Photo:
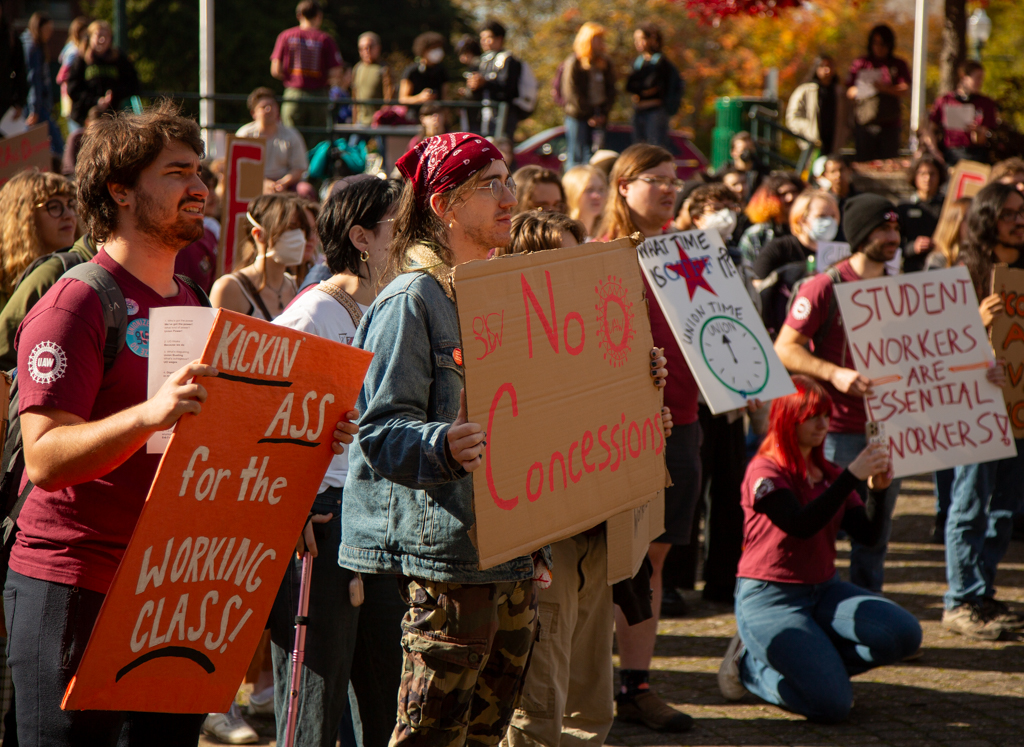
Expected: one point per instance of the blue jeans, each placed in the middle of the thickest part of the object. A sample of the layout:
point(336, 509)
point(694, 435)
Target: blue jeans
point(48, 626)
point(651, 126)
point(330, 636)
point(56, 138)
point(943, 495)
point(867, 563)
point(579, 136)
point(803, 642)
point(980, 524)
point(377, 662)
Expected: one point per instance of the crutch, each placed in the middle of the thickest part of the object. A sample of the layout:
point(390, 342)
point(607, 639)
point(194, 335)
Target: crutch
point(299, 652)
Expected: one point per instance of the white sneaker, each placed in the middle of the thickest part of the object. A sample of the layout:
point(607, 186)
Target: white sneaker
point(229, 728)
point(729, 672)
point(261, 703)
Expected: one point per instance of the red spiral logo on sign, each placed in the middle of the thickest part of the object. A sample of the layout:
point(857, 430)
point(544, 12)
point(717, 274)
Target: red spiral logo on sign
point(615, 320)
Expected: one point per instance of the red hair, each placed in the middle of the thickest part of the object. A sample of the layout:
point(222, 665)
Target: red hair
point(780, 445)
point(766, 207)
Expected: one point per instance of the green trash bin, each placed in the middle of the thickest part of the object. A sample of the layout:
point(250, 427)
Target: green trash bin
point(730, 118)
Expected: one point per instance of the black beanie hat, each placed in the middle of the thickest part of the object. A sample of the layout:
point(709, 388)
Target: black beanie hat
point(862, 214)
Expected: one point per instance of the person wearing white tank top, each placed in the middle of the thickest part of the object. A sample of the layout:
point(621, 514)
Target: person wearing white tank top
point(344, 638)
point(262, 287)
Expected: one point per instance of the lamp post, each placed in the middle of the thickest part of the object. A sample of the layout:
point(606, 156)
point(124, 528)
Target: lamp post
point(979, 30)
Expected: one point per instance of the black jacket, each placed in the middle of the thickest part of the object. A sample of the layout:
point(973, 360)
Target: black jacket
point(89, 82)
point(13, 81)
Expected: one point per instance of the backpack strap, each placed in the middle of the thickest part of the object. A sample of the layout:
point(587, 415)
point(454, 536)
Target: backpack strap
point(68, 259)
point(339, 295)
point(115, 319)
point(115, 314)
point(200, 293)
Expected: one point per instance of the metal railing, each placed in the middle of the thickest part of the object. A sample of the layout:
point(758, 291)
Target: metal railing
point(763, 118)
point(330, 126)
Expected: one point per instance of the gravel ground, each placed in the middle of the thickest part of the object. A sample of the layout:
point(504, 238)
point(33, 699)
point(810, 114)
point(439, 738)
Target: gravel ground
point(960, 693)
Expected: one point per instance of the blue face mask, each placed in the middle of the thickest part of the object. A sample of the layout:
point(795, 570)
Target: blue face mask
point(823, 228)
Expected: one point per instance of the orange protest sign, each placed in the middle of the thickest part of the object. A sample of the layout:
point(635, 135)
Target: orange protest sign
point(190, 598)
point(557, 360)
point(1008, 340)
point(20, 152)
point(243, 182)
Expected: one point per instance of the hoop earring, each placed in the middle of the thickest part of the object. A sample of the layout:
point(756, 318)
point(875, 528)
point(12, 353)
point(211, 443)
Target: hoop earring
point(364, 256)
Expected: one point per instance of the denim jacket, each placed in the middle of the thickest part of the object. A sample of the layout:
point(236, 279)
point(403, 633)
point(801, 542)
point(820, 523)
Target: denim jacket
point(406, 509)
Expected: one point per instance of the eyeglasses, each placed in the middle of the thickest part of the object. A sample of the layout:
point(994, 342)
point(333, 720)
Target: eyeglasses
point(1011, 215)
point(55, 208)
point(497, 187)
point(662, 181)
point(386, 220)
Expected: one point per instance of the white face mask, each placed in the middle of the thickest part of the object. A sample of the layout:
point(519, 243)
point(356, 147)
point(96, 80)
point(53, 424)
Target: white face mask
point(823, 228)
point(724, 221)
point(289, 248)
point(825, 184)
point(435, 55)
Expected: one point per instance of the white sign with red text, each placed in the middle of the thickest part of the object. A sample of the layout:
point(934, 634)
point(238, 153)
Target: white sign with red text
point(920, 340)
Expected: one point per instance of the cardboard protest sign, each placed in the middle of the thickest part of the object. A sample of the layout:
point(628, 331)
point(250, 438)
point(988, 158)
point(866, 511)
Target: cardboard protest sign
point(965, 180)
point(190, 598)
point(25, 150)
point(629, 534)
point(557, 363)
point(1008, 341)
point(920, 340)
point(713, 319)
point(830, 252)
point(243, 181)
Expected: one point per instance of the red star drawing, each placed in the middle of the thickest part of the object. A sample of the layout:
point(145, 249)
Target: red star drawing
point(692, 272)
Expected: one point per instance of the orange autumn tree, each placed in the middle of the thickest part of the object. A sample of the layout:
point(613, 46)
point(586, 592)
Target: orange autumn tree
point(727, 56)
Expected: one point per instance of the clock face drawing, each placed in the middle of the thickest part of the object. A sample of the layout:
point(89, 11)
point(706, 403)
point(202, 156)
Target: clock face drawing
point(734, 355)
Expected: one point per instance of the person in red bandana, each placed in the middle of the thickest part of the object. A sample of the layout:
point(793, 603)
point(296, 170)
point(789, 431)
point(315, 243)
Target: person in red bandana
point(408, 506)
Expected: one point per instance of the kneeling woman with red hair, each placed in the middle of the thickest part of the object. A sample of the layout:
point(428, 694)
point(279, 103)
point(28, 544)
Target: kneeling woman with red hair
point(802, 632)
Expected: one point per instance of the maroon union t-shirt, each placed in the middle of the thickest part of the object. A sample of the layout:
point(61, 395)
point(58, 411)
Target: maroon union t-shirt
point(680, 387)
point(306, 55)
point(769, 554)
point(807, 313)
point(77, 535)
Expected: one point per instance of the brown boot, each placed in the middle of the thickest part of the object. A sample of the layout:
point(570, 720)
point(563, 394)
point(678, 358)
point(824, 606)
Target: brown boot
point(970, 620)
point(648, 709)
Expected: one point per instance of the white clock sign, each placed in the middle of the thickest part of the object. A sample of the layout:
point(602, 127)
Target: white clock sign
point(713, 320)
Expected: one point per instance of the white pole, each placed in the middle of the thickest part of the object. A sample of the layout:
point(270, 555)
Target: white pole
point(918, 103)
point(207, 66)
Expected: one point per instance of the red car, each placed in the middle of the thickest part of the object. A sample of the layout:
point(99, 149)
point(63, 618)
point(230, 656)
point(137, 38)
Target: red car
point(547, 149)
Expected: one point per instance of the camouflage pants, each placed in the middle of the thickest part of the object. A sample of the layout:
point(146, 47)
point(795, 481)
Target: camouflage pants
point(466, 648)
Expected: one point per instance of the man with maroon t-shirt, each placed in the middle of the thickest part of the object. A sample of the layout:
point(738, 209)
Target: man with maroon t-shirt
point(83, 422)
point(308, 61)
point(872, 228)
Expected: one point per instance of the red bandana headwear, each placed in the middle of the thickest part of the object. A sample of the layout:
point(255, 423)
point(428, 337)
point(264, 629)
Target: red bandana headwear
point(440, 163)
